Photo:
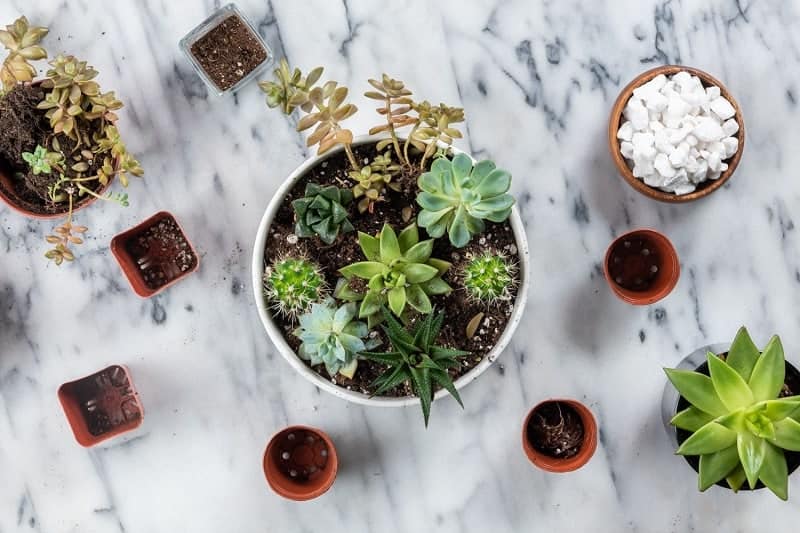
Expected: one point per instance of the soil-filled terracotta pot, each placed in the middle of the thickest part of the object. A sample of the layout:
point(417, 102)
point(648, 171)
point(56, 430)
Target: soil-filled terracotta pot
point(672, 402)
point(155, 254)
point(641, 266)
point(616, 119)
point(102, 405)
point(569, 412)
point(275, 332)
point(8, 196)
point(300, 463)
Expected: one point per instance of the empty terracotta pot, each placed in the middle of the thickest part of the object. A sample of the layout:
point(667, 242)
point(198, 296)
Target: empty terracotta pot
point(300, 463)
point(102, 405)
point(534, 447)
point(155, 254)
point(642, 267)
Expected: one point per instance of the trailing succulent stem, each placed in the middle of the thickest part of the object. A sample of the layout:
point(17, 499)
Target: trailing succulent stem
point(740, 425)
point(292, 284)
point(22, 42)
point(416, 359)
point(391, 92)
point(399, 272)
point(322, 212)
point(489, 277)
point(332, 337)
point(456, 198)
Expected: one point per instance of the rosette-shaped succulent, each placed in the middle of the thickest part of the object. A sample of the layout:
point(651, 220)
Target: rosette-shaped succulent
point(456, 197)
point(292, 284)
point(739, 423)
point(372, 180)
point(399, 271)
point(323, 212)
point(22, 42)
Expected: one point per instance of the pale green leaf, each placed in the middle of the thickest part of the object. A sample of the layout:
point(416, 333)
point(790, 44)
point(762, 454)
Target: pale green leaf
point(769, 372)
point(731, 389)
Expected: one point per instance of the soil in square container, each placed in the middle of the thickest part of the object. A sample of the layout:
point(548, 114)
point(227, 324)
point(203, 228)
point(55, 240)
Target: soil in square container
point(228, 52)
point(101, 405)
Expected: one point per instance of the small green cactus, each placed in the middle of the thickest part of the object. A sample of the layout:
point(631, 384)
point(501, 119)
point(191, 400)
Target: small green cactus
point(323, 212)
point(489, 277)
point(330, 336)
point(292, 284)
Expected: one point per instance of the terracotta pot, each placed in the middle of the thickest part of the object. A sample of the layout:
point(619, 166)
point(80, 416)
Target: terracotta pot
point(650, 250)
point(672, 402)
point(300, 463)
point(102, 405)
point(275, 334)
point(165, 263)
point(554, 464)
point(703, 189)
point(9, 198)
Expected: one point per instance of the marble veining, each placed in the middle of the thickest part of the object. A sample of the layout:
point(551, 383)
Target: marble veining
point(537, 80)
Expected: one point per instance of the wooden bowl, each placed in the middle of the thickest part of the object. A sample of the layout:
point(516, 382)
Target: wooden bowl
point(703, 189)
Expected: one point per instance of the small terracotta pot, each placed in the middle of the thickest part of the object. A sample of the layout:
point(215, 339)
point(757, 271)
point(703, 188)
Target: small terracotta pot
point(102, 405)
point(9, 198)
point(703, 189)
point(300, 463)
point(164, 262)
point(660, 255)
point(570, 464)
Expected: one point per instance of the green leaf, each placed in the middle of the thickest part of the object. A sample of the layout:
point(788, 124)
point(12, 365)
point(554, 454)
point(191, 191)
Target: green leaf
point(439, 264)
point(435, 222)
point(751, 453)
point(691, 419)
point(370, 246)
point(736, 479)
point(421, 381)
point(386, 358)
point(760, 426)
point(436, 286)
point(698, 390)
point(769, 372)
point(774, 472)
point(743, 354)
point(781, 408)
point(418, 299)
point(419, 272)
point(462, 166)
point(389, 247)
point(715, 466)
point(434, 202)
point(364, 270)
point(443, 379)
point(344, 292)
point(787, 434)
point(731, 389)
point(408, 238)
point(397, 300)
point(481, 170)
point(420, 252)
point(458, 232)
point(370, 305)
point(709, 439)
point(496, 183)
point(390, 379)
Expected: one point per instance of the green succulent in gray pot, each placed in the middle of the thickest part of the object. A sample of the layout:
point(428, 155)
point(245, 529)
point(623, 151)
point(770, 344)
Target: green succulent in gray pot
point(456, 197)
point(740, 419)
point(323, 212)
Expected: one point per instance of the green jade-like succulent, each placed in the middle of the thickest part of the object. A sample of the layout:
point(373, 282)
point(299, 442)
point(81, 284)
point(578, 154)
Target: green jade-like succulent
point(739, 424)
point(331, 337)
point(489, 277)
point(323, 212)
point(399, 271)
point(41, 161)
point(416, 359)
point(456, 198)
point(292, 284)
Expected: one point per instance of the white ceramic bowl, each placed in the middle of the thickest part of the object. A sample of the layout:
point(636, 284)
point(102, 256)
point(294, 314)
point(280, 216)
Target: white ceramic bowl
point(300, 366)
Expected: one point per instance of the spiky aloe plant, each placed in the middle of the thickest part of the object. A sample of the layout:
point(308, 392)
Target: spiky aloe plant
point(323, 212)
point(331, 337)
point(399, 270)
point(489, 277)
point(456, 198)
point(416, 359)
point(292, 284)
point(740, 426)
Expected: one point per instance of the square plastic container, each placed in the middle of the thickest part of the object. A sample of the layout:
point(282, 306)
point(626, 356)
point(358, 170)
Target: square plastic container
point(202, 30)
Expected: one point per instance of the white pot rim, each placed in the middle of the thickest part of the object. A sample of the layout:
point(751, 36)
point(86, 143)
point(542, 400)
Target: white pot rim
point(300, 366)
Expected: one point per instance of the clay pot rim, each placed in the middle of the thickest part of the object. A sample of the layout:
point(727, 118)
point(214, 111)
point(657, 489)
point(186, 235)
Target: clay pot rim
point(622, 166)
point(588, 447)
point(94, 440)
point(331, 468)
point(644, 297)
point(9, 201)
point(119, 252)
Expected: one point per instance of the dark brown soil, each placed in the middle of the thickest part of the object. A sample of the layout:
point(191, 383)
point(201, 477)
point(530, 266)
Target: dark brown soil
point(791, 387)
point(22, 128)
point(228, 52)
point(162, 252)
point(633, 264)
point(301, 456)
point(459, 309)
point(556, 429)
point(106, 400)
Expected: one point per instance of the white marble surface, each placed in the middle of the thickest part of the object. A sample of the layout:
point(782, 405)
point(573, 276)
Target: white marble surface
point(537, 79)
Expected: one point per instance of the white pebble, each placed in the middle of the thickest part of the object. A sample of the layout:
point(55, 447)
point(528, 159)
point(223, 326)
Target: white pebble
point(625, 132)
point(663, 166)
point(722, 108)
point(731, 145)
point(626, 148)
point(708, 130)
point(730, 127)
